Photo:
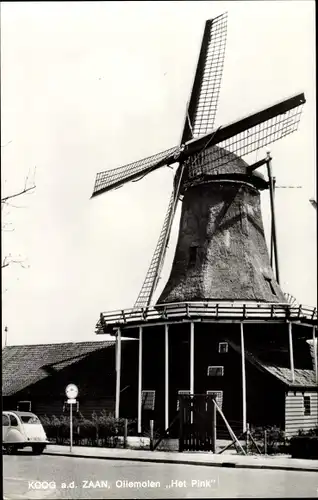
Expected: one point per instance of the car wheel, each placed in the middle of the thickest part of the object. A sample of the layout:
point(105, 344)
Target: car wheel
point(11, 449)
point(38, 449)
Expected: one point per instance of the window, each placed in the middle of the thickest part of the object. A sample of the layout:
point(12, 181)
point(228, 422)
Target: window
point(215, 371)
point(24, 406)
point(223, 347)
point(179, 393)
point(13, 421)
point(307, 405)
point(5, 421)
point(218, 397)
point(29, 419)
point(193, 256)
point(269, 281)
point(148, 400)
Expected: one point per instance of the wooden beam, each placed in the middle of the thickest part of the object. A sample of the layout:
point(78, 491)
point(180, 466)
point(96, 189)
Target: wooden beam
point(243, 379)
point(166, 376)
point(139, 380)
point(191, 357)
point(273, 219)
point(118, 371)
point(291, 352)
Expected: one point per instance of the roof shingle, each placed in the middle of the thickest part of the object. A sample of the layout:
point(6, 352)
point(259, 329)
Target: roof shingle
point(24, 365)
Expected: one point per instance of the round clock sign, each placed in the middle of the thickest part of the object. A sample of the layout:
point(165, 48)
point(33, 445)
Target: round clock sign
point(71, 391)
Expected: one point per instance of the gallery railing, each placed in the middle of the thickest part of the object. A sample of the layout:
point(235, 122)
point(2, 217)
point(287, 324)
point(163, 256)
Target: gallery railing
point(211, 311)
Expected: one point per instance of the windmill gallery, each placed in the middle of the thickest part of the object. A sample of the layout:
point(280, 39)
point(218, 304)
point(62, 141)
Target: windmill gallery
point(222, 335)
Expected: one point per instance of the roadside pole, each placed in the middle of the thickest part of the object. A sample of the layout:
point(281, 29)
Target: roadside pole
point(71, 427)
point(71, 392)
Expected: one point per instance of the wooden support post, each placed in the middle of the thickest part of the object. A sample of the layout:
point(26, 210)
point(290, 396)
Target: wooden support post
point(315, 349)
point(291, 351)
point(118, 371)
point(214, 428)
point(139, 380)
point(191, 358)
point(272, 238)
point(166, 376)
point(191, 369)
point(273, 220)
point(247, 435)
point(243, 379)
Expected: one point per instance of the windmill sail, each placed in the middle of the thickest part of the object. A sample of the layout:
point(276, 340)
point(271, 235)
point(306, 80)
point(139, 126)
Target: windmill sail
point(243, 137)
point(204, 97)
point(252, 132)
point(113, 179)
point(154, 270)
point(150, 280)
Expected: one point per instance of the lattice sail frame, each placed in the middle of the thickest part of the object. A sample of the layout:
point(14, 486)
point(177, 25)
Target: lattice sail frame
point(244, 143)
point(205, 92)
point(153, 273)
point(115, 178)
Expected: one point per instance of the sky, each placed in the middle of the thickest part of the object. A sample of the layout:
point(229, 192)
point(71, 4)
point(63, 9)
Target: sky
point(91, 86)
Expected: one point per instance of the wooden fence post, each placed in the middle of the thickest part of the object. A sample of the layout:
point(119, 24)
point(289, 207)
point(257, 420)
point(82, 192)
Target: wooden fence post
point(151, 434)
point(265, 442)
point(125, 432)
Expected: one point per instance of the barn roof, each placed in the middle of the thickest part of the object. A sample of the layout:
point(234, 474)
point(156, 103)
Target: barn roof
point(24, 365)
point(303, 377)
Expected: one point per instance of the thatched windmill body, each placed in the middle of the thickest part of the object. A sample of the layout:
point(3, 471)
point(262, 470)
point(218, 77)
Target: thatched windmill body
point(221, 259)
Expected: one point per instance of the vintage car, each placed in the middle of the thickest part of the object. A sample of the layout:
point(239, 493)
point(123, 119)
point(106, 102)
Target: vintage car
point(21, 429)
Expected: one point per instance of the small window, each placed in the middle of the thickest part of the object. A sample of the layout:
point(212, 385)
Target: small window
point(179, 393)
point(5, 421)
point(215, 371)
point(223, 347)
point(148, 400)
point(13, 421)
point(24, 406)
point(218, 397)
point(193, 256)
point(307, 405)
point(269, 281)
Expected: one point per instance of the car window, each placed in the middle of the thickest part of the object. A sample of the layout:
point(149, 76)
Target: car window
point(14, 421)
point(5, 420)
point(29, 419)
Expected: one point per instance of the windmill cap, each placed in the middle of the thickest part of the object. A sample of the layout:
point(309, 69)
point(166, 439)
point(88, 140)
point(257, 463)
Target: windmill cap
point(219, 163)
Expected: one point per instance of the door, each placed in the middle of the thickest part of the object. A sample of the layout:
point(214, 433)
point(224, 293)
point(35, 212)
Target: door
point(197, 422)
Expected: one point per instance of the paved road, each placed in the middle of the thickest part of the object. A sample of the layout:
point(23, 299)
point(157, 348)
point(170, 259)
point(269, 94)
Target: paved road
point(92, 478)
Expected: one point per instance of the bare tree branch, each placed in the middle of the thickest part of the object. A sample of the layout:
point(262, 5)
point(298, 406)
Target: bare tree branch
point(4, 145)
point(9, 260)
point(25, 190)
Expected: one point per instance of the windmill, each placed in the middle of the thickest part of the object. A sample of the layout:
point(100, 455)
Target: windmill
point(219, 192)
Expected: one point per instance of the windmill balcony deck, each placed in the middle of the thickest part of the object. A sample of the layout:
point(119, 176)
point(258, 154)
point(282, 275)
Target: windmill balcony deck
point(208, 311)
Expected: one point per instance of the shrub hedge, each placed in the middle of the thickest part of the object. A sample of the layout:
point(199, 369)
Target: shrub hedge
point(305, 445)
point(101, 429)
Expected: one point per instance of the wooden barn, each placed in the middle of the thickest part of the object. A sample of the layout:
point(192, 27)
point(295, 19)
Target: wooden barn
point(34, 377)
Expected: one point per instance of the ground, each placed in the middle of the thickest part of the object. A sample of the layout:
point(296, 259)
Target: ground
point(93, 478)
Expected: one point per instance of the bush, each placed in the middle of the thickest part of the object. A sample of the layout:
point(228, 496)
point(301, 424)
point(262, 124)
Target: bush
point(275, 439)
point(304, 446)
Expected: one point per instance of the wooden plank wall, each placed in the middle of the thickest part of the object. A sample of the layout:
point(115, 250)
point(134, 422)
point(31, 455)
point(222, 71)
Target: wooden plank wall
point(295, 417)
